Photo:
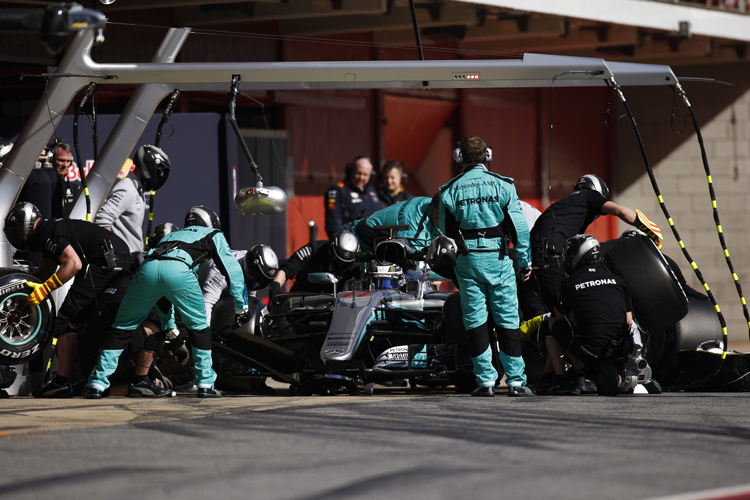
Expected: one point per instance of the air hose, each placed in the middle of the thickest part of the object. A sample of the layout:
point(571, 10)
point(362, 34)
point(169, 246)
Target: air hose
point(81, 169)
point(711, 192)
point(164, 119)
point(663, 206)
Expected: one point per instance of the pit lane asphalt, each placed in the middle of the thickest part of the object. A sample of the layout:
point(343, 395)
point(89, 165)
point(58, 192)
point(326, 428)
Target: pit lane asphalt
point(396, 444)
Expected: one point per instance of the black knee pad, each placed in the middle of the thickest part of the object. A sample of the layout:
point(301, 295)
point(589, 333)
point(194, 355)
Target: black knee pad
point(509, 340)
point(155, 341)
point(479, 340)
point(200, 339)
point(118, 339)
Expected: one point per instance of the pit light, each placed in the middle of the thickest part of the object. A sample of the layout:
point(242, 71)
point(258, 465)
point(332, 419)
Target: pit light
point(466, 76)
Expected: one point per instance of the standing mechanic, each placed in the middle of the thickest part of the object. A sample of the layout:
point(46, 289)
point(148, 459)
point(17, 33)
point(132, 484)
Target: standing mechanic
point(480, 210)
point(420, 214)
point(599, 306)
point(169, 271)
point(125, 208)
point(569, 216)
point(351, 198)
point(336, 256)
point(96, 258)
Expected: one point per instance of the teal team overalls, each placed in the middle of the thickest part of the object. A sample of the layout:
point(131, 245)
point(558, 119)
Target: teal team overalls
point(169, 271)
point(414, 213)
point(477, 208)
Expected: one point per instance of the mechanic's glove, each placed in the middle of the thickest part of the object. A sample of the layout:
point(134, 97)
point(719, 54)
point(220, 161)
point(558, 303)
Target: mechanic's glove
point(648, 227)
point(178, 346)
point(241, 316)
point(530, 327)
point(42, 290)
point(274, 290)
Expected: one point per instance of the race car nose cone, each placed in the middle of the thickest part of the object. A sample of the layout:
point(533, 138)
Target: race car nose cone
point(260, 200)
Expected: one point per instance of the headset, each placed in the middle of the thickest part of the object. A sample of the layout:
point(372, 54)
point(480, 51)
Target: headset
point(390, 165)
point(458, 155)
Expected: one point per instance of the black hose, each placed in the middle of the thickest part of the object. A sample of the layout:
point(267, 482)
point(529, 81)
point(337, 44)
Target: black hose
point(233, 120)
point(663, 206)
point(712, 194)
point(81, 169)
point(164, 119)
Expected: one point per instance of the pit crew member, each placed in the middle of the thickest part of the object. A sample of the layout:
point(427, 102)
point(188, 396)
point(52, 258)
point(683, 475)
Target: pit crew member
point(124, 209)
point(97, 259)
point(169, 271)
point(568, 217)
point(599, 307)
point(480, 210)
point(336, 256)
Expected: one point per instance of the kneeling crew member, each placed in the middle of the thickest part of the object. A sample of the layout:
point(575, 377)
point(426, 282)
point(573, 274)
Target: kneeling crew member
point(474, 207)
point(169, 271)
point(94, 256)
point(600, 305)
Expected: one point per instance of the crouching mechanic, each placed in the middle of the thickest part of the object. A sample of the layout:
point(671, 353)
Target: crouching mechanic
point(169, 271)
point(336, 256)
point(420, 214)
point(599, 306)
point(481, 212)
point(96, 258)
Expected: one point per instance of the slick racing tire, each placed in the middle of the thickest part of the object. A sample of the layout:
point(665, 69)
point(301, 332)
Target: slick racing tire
point(658, 298)
point(701, 324)
point(25, 329)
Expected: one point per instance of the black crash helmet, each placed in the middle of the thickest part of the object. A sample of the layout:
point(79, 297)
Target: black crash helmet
point(632, 232)
point(592, 183)
point(343, 249)
point(20, 223)
point(442, 251)
point(153, 165)
point(260, 267)
point(5, 147)
point(202, 216)
point(578, 250)
point(160, 232)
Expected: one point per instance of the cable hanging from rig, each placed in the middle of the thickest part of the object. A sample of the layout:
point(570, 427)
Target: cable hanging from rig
point(685, 252)
point(714, 205)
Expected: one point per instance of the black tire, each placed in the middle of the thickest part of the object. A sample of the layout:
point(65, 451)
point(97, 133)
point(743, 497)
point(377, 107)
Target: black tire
point(658, 298)
point(699, 325)
point(25, 330)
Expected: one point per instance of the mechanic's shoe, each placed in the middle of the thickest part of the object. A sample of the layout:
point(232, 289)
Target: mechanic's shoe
point(519, 390)
point(610, 383)
point(208, 393)
point(55, 389)
point(561, 387)
point(486, 392)
point(186, 388)
point(259, 386)
point(584, 386)
point(652, 387)
point(92, 393)
point(147, 389)
point(544, 385)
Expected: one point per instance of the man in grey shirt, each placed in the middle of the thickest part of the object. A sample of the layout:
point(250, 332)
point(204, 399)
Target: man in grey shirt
point(125, 207)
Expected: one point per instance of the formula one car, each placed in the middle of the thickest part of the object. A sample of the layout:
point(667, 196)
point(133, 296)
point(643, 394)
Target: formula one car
point(388, 326)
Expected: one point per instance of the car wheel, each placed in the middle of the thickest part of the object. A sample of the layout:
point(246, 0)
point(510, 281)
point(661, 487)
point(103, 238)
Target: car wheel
point(657, 295)
point(25, 329)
